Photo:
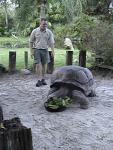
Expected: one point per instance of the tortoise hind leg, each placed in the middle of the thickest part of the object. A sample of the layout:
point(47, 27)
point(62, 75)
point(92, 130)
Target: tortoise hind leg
point(80, 98)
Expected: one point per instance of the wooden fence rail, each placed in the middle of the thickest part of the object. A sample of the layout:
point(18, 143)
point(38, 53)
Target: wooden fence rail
point(50, 67)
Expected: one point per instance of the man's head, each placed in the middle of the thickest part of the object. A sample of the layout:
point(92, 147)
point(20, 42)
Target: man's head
point(43, 24)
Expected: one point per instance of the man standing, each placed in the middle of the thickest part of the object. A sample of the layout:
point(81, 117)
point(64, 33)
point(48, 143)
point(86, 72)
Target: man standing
point(40, 39)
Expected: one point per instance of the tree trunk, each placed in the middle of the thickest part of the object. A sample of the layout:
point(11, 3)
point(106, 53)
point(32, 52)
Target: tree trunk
point(6, 15)
point(42, 8)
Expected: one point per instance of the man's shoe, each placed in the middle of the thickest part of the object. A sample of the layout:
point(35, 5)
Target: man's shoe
point(39, 83)
point(43, 82)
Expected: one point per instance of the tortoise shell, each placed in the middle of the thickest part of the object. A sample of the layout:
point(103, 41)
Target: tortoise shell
point(74, 76)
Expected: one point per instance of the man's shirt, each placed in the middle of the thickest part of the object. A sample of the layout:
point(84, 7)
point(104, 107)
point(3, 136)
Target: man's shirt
point(41, 39)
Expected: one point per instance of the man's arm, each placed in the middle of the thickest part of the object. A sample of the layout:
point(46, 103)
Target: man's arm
point(31, 49)
point(31, 41)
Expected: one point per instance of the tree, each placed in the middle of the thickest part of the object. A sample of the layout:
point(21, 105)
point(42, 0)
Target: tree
point(43, 8)
point(4, 3)
point(28, 7)
point(6, 17)
point(74, 8)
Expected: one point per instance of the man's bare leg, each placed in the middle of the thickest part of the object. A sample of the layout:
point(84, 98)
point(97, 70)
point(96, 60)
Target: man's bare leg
point(44, 69)
point(39, 74)
point(39, 71)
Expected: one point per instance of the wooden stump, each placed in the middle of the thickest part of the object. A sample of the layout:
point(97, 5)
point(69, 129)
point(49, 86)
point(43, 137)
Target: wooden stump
point(1, 114)
point(82, 58)
point(15, 136)
point(69, 57)
point(50, 66)
point(26, 59)
point(12, 61)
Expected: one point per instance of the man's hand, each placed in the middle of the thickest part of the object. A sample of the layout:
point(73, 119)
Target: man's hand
point(53, 52)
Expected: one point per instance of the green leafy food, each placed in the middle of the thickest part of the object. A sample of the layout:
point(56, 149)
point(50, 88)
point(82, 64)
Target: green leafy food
point(56, 102)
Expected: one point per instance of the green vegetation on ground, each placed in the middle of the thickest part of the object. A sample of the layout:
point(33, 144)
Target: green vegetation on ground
point(58, 102)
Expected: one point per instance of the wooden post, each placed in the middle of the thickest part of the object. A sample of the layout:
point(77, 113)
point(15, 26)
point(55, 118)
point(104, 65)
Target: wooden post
point(12, 61)
point(69, 57)
point(2, 69)
point(26, 59)
point(2, 147)
point(50, 66)
point(15, 136)
point(82, 58)
point(1, 124)
point(1, 114)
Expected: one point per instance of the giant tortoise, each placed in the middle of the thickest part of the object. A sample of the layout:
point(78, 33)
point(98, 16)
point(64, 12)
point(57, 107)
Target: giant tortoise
point(73, 81)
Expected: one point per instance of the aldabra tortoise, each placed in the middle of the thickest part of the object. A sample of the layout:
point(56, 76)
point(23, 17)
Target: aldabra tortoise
point(73, 81)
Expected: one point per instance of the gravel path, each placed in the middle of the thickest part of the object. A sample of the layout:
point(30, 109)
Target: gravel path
point(73, 129)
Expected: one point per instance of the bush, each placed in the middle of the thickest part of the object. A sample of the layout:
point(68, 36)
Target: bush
point(90, 34)
point(60, 33)
point(102, 42)
point(77, 31)
point(10, 42)
point(4, 31)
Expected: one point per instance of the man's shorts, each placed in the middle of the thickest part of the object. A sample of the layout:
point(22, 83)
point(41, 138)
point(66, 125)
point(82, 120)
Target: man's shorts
point(41, 56)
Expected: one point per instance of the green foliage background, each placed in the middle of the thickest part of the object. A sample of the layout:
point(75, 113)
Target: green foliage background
point(78, 20)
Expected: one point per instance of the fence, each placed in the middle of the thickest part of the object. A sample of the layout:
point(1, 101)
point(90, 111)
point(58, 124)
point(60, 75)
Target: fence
point(50, 67)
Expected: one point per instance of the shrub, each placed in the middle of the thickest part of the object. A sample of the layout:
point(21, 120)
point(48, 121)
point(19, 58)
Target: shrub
point(102, 42)
point(10, 42)
point(90, 34)
point(60, 32)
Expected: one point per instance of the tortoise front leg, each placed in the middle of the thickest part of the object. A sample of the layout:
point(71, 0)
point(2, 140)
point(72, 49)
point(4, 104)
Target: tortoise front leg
point(61, 92)
point(92, 93)
point(52, 90)
point(81, 98)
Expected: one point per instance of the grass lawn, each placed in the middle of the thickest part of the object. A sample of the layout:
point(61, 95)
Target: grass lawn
point(10, 42)
point(4, 57)
point(60, 57)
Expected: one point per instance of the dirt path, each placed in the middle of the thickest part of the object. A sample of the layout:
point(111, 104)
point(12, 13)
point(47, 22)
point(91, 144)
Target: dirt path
point(73, 129)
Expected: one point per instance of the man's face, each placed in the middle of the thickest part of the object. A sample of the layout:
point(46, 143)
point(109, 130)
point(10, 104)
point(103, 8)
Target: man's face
point(43, 25)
